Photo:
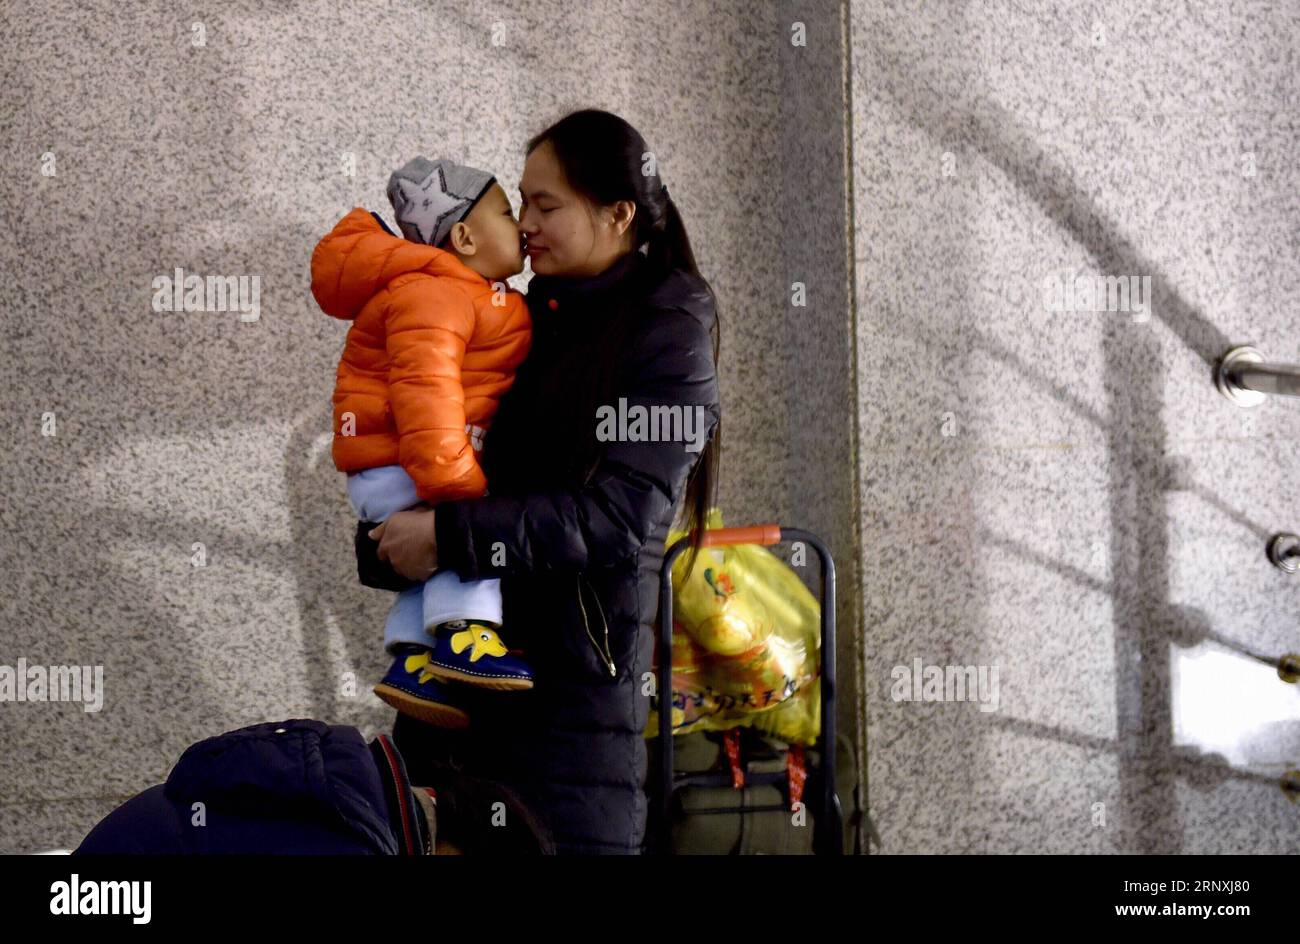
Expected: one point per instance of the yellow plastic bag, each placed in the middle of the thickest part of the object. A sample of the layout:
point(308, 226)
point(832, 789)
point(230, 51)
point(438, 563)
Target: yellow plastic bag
point(746, 644)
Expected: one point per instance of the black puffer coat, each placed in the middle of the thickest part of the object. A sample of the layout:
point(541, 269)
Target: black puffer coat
point(579, 547)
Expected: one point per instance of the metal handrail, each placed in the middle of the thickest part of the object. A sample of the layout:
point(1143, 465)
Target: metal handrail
point(1244, 378)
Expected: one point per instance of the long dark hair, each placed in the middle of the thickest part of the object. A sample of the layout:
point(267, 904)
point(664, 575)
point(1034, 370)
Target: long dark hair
point(606, 160)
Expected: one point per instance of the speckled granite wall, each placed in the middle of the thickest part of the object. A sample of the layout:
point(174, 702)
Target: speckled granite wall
point(173, 430)
point(1064, 496)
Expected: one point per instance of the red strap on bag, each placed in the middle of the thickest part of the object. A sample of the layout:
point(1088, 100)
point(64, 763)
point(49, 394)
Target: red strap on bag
point(796, 772)
point(731, 741)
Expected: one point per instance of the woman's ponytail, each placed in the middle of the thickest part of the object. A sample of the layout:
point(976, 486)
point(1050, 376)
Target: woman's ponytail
point(670, 248)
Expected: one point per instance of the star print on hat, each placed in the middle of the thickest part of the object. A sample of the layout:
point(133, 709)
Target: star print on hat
point(430, 197)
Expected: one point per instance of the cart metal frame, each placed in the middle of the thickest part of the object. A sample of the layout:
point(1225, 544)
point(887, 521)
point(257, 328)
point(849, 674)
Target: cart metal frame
point(828, 835)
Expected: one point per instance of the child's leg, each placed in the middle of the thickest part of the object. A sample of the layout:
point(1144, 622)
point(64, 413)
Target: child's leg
point(377, 493)
point(409, 686)
point(405, 624)
point(447, 598)
point(463, 619)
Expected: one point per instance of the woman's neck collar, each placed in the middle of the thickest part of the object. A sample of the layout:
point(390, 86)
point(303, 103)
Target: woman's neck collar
point(558, 292)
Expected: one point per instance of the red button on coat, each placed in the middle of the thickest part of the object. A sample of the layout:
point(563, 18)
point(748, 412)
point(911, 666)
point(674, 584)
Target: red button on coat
point(552, 304)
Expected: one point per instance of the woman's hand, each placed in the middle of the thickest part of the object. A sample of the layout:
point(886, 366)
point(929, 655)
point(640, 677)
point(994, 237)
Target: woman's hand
point(407, 541)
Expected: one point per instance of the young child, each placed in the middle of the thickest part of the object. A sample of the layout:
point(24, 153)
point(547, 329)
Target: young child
point(435, 340)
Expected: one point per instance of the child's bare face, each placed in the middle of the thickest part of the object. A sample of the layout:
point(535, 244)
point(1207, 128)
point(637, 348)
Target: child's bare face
point(499, 250)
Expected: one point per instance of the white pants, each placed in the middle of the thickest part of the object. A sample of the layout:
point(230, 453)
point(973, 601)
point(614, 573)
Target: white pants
point(375, 495)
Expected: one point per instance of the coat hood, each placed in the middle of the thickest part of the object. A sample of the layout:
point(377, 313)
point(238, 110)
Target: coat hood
point(295, 770)
point(360, 256)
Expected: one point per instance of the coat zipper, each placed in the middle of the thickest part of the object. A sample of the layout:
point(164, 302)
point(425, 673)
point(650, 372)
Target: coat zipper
point(605, 656)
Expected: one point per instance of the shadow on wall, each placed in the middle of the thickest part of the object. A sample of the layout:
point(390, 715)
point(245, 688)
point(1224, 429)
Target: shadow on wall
point(340, 622)
point(331, 599)
point(1144, 620)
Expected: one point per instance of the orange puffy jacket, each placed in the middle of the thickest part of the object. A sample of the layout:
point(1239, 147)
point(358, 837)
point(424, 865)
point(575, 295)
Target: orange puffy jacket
point(427, 357)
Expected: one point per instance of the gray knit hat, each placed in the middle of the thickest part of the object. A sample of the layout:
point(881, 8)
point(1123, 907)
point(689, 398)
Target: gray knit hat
point(430, 197)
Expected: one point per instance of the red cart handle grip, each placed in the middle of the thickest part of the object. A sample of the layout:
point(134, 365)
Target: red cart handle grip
point(764, 534)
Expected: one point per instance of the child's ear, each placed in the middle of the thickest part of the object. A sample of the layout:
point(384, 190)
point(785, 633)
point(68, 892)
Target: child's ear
point(461, 240)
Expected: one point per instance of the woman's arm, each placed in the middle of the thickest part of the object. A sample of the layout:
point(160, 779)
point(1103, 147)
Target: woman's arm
point(635, 484)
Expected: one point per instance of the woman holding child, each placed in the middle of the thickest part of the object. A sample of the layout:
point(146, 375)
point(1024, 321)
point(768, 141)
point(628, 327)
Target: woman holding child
point(573, 524)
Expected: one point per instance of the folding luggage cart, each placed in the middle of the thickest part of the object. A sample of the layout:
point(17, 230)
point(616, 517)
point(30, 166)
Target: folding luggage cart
point(828, 836)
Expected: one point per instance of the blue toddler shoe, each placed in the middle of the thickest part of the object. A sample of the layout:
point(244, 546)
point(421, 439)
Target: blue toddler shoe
point(471, 652)
point(413, 690)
